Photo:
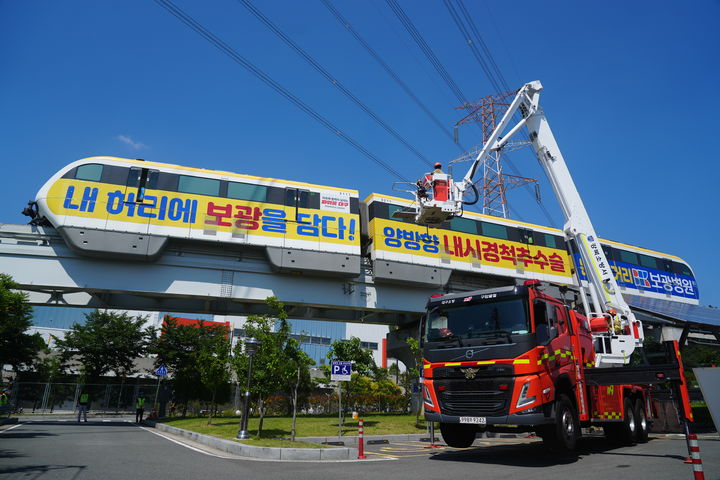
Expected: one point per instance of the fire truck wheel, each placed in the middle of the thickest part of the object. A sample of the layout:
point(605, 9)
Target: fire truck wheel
point(642, 425)
point(458, 435)
point(625, 432)
point(562, 437)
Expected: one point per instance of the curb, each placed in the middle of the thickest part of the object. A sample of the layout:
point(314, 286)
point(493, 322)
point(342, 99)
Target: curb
point(265, 453)
point(353, 439)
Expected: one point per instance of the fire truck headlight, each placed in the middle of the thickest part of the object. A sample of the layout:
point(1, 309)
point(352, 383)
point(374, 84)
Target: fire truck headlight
point(524, 400)
point(427, 397)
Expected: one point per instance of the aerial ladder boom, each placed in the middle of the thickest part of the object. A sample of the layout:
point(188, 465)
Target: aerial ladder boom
point(616, 331)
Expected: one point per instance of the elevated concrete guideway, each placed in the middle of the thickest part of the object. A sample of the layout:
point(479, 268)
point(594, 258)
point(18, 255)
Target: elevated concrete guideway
point(193, 278)
point(226, 279)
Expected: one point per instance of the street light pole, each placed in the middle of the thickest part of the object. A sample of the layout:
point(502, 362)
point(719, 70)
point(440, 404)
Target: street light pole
point(251, 346)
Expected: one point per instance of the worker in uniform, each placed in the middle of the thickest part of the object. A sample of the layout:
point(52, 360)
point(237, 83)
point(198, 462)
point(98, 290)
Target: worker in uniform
point(4, 401)
point(83, 405)
point(139, 407)
point(425, 184)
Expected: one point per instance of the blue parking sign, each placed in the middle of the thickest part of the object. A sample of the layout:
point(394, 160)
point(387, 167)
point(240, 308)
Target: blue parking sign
point(340, 371)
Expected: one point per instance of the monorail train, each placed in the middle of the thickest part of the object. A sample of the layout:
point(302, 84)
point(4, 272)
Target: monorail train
point(122, 208)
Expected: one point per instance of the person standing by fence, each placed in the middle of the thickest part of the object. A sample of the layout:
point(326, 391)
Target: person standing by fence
point(139, 408)
point(4, 402)
point(83, 405)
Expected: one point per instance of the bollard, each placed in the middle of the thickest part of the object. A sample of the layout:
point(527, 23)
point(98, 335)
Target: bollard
point(432, 437)
point(695, 457)
point(361, 446)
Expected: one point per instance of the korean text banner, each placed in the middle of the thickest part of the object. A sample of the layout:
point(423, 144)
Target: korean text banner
point(434, 247)
point(648, 279)
point(97, 205)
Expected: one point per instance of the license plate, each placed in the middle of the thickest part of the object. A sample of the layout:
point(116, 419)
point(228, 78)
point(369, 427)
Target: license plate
point(475, 420)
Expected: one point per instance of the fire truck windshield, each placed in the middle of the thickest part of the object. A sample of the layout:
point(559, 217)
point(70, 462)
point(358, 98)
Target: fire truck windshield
point(496, 319)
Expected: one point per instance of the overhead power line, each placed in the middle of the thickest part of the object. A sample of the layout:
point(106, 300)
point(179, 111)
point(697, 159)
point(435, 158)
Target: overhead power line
point(405, 88)
point(330, 78)
point(236, 57)
point(429, 54)
point(489, 73)
point(465, 24)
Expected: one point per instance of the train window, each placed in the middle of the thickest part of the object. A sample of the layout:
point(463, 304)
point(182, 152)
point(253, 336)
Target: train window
point(392, 209)
point(114, 175)
point(647, 261)
point(466, 225)
point(354, 205)
point(526, 236)
point(246, 191)
point(142, 179)
point(378, 210)
point(307, 199)
point(494, 230)
point(550, 241)
point(608, 251)
point(91, 172)
point(168, 182)
point(682, 269)
point(629, 257)
point(665, 265)
point(199, 185)
point(302, 198)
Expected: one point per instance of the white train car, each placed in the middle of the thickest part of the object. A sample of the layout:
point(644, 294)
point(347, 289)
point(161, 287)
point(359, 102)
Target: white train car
point(123, 208)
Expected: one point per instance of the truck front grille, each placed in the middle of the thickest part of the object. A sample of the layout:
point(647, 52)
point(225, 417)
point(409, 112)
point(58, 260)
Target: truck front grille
point(475, 398)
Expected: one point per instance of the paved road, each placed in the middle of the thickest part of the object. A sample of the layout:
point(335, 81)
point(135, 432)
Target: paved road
point(111, 449)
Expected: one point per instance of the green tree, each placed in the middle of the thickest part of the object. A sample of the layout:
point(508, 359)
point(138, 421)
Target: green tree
point(182, 349)
point(296, 377)
point(106, 342)
point(413, 371)
point(49, 367)
point(352, 351)
point(213, 363)
point(17, 348)
point(270, 360)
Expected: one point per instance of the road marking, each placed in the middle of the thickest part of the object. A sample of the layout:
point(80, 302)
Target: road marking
point(184, 444)
point(10, 428)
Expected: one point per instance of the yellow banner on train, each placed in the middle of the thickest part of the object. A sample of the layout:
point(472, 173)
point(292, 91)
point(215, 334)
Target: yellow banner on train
point(209, 215)
point(440, 246)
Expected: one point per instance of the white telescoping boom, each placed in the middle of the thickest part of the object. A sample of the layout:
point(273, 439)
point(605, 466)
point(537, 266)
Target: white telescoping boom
point(613, 345)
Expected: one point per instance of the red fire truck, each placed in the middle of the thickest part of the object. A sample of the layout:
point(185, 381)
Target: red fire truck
point(527, 356)
point(523, 358)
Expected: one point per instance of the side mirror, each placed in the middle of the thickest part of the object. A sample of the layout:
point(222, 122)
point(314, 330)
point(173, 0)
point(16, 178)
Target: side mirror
point(421, 330)
point(552, 332)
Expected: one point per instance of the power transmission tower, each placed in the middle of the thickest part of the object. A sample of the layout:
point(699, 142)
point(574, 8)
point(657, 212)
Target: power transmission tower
point(494, 183)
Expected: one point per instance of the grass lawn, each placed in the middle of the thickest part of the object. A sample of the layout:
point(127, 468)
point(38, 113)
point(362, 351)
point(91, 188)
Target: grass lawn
point(277, 428)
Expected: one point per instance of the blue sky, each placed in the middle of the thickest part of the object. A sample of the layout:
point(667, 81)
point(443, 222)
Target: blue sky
point(630, 92)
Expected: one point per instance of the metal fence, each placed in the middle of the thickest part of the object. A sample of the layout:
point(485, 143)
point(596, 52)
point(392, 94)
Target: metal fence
point(40, 397)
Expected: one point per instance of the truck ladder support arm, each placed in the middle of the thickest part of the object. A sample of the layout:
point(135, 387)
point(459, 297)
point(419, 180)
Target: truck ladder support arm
point(624, 330)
